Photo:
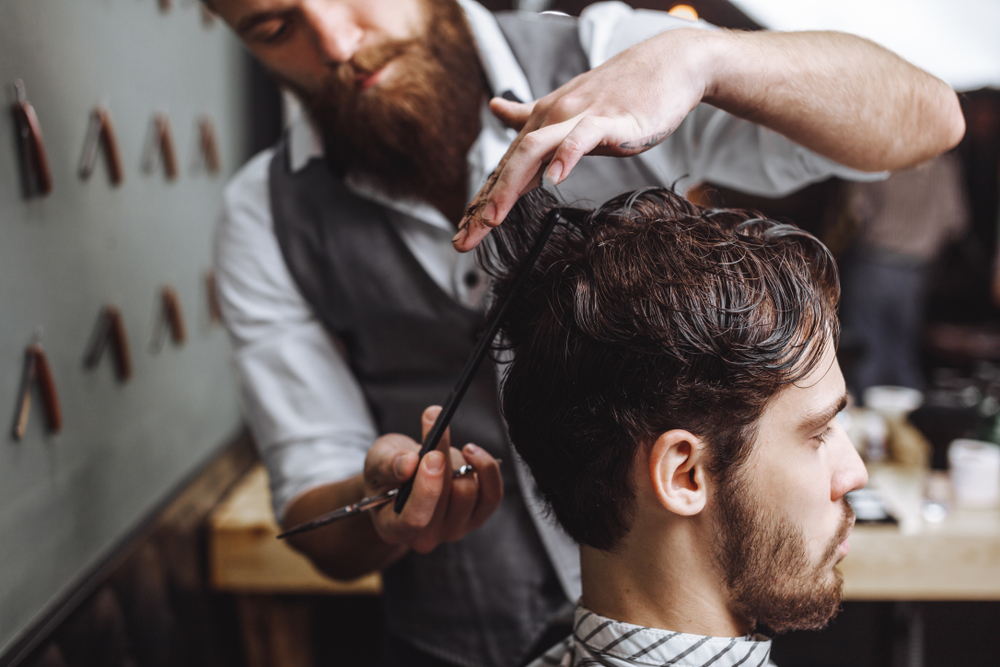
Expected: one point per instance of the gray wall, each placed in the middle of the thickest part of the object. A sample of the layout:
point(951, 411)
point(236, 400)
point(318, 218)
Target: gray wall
point(66, 499)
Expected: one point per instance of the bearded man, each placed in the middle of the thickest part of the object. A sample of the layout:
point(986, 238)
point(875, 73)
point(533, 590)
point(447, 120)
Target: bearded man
point(674, 389)
point(350, 308)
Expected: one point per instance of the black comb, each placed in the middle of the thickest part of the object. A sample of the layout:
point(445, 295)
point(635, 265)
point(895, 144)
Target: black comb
point(482, 347)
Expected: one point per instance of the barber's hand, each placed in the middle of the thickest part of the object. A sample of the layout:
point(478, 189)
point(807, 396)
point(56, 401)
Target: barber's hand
point(439, 509)
point(624, 107)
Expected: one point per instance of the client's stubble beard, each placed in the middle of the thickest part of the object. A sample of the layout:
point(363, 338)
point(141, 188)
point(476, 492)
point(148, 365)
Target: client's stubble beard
point(409, 135)
point(767, 570)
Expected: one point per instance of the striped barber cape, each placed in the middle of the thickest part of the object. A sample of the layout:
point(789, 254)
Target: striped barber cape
point(596, 640)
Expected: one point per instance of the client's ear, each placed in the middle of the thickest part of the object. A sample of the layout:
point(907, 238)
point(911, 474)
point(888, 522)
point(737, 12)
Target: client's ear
point(677, 471)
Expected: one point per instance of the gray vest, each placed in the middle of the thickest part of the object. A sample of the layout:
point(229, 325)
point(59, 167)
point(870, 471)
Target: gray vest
point(486, 599)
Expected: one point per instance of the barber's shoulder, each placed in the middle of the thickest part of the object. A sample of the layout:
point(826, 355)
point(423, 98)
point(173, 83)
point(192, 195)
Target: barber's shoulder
point(246, 203)
point(245, 222)
point(249, 184)
point(614, 11)
point(253, 283)
point(608, 28)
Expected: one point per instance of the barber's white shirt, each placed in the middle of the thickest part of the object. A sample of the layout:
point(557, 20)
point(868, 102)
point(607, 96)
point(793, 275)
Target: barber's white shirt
point(305, 408)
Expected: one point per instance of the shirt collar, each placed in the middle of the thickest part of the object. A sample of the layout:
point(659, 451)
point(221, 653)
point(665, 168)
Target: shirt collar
point(619, 644)
point(503, 73)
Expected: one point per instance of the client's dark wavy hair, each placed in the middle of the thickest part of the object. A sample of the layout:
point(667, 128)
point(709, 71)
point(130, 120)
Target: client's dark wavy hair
point(646, 315)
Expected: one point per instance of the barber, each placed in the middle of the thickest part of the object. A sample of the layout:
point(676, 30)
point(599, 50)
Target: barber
point(350, 310)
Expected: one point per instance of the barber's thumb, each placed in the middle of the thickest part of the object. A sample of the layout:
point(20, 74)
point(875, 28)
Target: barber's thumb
point(511, 114)
point(401, 466)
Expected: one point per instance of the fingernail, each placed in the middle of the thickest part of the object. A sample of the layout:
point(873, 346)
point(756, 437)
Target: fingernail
point(434, 462)
point(490, 214)
point(463, 231)
point(553, 173)
point(471, 449)
point(400, 466)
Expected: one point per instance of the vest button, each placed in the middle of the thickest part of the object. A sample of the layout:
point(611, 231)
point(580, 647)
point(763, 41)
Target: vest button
point(471, 279)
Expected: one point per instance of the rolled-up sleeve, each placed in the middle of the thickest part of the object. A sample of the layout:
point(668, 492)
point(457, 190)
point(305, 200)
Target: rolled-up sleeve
point(710, 144)
point(307, 412)
point(720, 148)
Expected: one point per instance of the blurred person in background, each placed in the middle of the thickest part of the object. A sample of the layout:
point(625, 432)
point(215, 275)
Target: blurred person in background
point(902, 223)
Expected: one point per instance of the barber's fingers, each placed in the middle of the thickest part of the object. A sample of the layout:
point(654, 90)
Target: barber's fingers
point(473, 498)
point(511, 114)
point(440, 508)
point(518, 173)
point(427, 420)
point(458, 498)
point(450, 522)
point(391, 461)
point(431, 525)
point(560, 146)
point(490, 485)
point(469, 501)
point(587, 136)
point(429, 488)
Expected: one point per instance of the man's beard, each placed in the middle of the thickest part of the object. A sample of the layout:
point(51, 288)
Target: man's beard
point(409, 134)
point(767, 569)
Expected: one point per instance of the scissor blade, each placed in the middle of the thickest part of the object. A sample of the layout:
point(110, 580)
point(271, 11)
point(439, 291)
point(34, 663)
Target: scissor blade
point(362, 505)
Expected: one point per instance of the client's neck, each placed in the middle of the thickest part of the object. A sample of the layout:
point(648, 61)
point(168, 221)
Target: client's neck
point(668, 582)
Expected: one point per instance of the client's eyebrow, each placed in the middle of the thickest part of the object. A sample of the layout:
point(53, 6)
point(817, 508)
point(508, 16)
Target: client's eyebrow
point(814, 420)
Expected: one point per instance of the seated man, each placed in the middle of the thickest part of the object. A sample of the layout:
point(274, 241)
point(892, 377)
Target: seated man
point(674, 390)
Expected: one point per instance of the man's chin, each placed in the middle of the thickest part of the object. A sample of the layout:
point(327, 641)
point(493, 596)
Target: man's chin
point(816, 618)
point(812, 611)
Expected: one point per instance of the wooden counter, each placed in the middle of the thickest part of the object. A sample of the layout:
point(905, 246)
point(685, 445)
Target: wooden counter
point(956, 559)
point(245, 555)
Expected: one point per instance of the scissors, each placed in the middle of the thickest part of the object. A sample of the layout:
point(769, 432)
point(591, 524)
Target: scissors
point(454, 398)
point(363, 505)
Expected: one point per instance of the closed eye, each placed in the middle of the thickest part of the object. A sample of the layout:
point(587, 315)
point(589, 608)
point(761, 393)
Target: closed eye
point(823, 435)
point(266, 27)
point(818, 425)
point(271, 32)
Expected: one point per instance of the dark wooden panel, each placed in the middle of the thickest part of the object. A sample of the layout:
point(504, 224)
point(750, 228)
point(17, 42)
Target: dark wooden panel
point(148, 604)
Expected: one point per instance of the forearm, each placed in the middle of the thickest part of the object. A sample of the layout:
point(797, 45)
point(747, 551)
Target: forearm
point(345, 549)
point(839, 95)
